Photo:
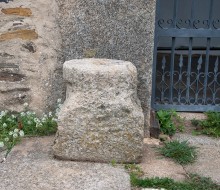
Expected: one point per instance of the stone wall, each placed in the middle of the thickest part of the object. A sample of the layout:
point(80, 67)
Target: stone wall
point(30, 61)
point(113, 29)
point(31, 48)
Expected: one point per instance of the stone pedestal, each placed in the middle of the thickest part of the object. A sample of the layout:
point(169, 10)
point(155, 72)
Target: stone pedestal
point(101, 119)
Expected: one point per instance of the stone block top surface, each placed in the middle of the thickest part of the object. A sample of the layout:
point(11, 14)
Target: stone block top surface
point(104, 67)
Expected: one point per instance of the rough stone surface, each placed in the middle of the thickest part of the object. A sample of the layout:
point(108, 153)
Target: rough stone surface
point(30, 58)
point(30, 165)
point(155, 165)
point(2, 155)
point(101, 119)
point(190, 116)
point(208, 162)
point(113, 29)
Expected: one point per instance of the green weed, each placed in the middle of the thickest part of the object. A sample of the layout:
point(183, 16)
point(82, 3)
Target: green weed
point(181, 152)
point(113, 163)
point(170, 122)
point(194, 182)
point(210, 126)
point(134, 169)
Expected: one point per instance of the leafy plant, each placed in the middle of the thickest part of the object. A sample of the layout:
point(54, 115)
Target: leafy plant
point(195, 122)
point(10, 134)
point(15, 126)
point(194, 182)
point(181, 152)
point(170, 122)
point(35, 126)
point(210, 126)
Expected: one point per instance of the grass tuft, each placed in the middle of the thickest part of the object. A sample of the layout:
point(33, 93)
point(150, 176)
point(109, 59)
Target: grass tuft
point(181, 152)
point(210, 126)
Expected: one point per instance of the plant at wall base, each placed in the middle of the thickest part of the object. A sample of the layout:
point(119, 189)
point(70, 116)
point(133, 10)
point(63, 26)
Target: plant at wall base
point(35, 126)
point(10, 134)
point(25, 124)
point(170, 122)
point(193, 182)
point(181, 152)
point(210, 126)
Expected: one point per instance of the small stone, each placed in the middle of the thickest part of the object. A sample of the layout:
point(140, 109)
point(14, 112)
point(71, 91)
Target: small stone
point(164, 138)
point(22, 34)
point(17, 11)
point(30, 46)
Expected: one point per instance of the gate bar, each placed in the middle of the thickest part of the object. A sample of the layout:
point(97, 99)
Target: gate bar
point(173, 53)
point(189, 69)
point(206, 70)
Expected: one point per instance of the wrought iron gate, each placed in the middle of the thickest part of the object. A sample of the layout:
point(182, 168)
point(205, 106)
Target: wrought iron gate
point(186, 69)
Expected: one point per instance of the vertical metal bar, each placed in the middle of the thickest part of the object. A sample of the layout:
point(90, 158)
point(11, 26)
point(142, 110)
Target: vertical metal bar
point(175, 13)
point(154, 68)
point(215, 80)
point(173, 53)
point(163, 78)
point(192, 17)
point(180, 78)
point(154, 73)
point(189, 70)
point(199, 67)
point(172, 70)
point(207, 56)
point(210, 14)
point(206, 70)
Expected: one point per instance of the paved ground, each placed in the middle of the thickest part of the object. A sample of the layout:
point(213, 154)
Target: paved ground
point(154, 165)
point(206, 165)
point(31, 166)
point(208, 162)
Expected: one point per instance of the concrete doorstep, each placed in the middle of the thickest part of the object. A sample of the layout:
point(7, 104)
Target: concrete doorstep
point(31, 166)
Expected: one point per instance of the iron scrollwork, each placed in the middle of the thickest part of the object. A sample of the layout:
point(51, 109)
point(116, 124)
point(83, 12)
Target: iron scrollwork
point(214, 84)
point(216, 24)
point(196, 86)
point(187, 23)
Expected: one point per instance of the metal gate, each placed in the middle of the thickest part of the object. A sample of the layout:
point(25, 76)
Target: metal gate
point(186, 69)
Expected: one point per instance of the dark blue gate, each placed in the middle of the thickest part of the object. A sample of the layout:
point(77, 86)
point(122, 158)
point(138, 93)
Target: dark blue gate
point(186, 69)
